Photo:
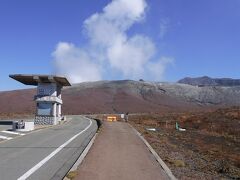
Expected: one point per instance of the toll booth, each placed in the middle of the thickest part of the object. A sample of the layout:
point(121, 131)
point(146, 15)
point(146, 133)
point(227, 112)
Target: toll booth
point(48, 98)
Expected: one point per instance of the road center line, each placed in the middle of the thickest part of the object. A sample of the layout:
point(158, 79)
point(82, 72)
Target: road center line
point(42, 162)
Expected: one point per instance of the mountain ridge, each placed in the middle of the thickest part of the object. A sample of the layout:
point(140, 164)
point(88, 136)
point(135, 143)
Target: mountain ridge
point(208, 81)
point(127, 96)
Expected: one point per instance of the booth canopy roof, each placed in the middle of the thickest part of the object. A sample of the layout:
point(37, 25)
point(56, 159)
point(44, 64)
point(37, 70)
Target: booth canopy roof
point(34, 79)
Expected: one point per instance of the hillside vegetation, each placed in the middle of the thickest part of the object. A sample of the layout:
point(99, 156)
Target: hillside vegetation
point(208, 149)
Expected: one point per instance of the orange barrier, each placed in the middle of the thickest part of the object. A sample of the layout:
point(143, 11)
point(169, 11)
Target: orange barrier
point(111, 118)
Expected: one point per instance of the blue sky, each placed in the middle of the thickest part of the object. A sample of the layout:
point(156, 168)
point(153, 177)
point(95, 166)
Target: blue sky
point(200, 37)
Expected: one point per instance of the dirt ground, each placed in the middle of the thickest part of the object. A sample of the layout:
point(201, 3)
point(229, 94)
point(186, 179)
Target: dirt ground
point(119, 154)
point(12, 116)
point(209, 149)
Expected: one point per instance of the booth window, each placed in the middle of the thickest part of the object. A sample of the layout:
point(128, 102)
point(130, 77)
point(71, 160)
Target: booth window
point(44, 109)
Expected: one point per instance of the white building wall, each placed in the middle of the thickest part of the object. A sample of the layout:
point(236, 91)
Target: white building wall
point(54, 109)
point(59, 110)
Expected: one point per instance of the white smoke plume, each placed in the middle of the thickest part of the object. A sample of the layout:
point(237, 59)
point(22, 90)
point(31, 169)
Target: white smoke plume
point(110, 48)
point(75, 63)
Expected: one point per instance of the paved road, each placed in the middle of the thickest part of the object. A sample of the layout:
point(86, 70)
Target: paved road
point(45, 154)
point(117, 154)
point(5, 127)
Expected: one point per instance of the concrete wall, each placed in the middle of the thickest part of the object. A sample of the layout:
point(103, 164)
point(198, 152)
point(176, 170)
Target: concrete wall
point(45, 120)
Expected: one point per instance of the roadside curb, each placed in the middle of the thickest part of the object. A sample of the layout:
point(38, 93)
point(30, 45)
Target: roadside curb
point(81, 157)
point(157, 157)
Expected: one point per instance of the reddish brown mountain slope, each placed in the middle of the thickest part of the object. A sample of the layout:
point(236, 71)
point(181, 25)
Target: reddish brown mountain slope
point(104, 99)
point(126, 96)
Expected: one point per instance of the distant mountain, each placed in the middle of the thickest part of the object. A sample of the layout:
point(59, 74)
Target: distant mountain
point(127, 96)
point(207, 81)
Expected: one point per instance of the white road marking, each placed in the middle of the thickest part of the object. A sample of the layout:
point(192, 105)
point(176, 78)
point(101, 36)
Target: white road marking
point(5, 137)
point(16, 133)
point(42, 162)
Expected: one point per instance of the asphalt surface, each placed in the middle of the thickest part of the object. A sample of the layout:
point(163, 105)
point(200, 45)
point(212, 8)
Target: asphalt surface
point(48, 153)
point(117, 154)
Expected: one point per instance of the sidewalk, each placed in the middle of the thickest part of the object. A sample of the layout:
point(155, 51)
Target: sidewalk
point(119, 154)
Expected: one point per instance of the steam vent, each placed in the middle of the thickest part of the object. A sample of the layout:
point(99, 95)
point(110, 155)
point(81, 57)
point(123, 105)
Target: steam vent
point(48, 98)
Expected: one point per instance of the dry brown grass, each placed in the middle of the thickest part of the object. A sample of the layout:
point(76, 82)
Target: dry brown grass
point(211, 139)
point(71, 175)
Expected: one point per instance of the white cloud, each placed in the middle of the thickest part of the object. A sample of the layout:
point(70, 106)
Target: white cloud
point(75, 63)
point(157, 69)
point(130, 56)
point(111, 25)
point(110, 47)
